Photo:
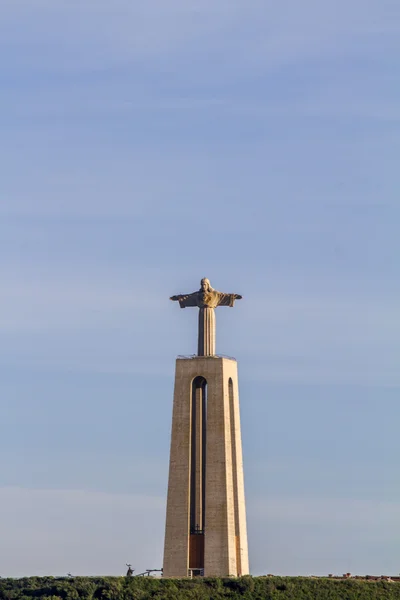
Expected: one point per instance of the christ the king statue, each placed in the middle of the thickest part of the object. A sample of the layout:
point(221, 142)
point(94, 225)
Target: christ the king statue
point(206, 299)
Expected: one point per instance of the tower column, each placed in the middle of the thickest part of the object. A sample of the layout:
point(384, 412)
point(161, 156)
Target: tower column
point(206, 341)
point(206, 484)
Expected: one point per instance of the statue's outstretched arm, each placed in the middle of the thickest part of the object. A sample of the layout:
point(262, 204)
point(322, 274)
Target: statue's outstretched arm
point(228, 299)
point(185, 299)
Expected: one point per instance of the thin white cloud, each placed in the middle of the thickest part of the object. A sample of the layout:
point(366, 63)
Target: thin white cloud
point(83, 532)
point(317, 536)
point(67, 304)
point(282, 32)
point(333, 511)
point(61, 531)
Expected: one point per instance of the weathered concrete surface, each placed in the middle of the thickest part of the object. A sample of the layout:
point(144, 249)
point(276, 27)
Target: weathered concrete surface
point(225, 533)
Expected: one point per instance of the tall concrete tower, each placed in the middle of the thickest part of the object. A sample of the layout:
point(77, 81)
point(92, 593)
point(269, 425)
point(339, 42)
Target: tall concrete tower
point(205, 531)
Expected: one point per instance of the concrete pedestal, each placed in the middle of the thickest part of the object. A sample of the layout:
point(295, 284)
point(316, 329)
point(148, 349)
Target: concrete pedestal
point(206, 517)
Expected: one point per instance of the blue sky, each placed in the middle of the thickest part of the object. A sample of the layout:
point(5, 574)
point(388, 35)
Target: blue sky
point(146, 145)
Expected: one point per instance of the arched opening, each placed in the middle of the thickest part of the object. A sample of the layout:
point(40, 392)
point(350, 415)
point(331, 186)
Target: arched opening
point(232, 415)
point(198, 472)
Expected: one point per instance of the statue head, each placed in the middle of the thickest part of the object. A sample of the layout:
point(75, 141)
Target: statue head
point(205, 285)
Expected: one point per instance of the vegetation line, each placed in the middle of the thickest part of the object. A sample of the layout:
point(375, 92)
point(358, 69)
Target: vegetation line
point(152, 588)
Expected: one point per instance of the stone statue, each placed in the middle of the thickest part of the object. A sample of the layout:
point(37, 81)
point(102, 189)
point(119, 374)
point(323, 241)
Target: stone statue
point(206, 299)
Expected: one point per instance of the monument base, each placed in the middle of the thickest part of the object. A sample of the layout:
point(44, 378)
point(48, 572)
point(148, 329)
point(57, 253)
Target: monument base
point(206, 519)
